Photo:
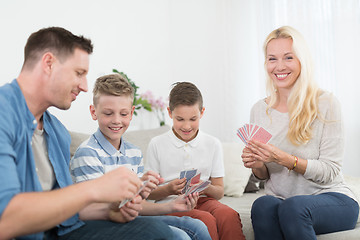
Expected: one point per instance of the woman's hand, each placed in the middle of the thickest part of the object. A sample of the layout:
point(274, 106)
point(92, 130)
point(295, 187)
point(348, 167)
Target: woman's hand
point(249, 159)
point(258, 151)
point(269, 153)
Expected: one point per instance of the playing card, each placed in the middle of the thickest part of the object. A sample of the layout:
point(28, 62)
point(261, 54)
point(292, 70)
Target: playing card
point(192, 189)
point(253, 132)
point(262, 135)
point(243, 133)
point(198, 187)
point(247, 130)
point(203, 186)
point(195, 179)
point(241, 137)
point(190, 173)
point(251, 129)
point(129, 199)
point(182, 174)
point(185, 189)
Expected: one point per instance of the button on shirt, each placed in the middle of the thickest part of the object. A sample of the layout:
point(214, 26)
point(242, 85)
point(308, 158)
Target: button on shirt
point(168, 155)
point(17, 165)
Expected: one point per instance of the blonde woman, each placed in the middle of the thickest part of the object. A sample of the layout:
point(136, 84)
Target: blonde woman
point(305, 191)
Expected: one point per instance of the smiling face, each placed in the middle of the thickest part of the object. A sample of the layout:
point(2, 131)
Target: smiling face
point(282, 64)
point(186, 121)
point(113, 114)
point(68, 79)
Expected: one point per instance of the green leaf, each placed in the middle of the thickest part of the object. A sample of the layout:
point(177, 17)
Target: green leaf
point(138, 102)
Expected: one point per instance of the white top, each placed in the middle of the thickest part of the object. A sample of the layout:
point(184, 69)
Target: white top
point(324, 151)
point(168, 155)
point(43, 165)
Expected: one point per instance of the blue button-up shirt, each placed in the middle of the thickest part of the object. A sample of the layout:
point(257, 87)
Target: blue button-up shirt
point(17, 165)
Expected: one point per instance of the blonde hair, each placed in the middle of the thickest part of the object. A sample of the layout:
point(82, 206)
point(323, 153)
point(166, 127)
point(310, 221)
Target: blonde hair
point(112, 84)
point(303, 99)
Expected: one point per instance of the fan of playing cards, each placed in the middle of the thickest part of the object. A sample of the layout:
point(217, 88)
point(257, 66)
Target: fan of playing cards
point(193, 183)
point(253, 132)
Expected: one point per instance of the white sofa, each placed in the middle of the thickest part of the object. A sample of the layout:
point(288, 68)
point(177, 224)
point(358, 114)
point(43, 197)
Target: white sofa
point(236, 179)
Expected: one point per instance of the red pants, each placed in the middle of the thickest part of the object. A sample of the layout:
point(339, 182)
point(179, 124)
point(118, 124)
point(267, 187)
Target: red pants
point(222, 221)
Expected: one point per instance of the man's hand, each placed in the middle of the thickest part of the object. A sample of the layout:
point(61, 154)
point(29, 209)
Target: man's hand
point(126, 213)
point(116, 186)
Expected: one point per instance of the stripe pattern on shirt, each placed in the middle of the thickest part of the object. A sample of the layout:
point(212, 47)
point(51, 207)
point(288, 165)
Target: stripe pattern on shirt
point(96, 156)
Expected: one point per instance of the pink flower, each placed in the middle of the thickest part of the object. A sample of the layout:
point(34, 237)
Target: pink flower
point(148, 95)
point(157, 104)
point(160, 104)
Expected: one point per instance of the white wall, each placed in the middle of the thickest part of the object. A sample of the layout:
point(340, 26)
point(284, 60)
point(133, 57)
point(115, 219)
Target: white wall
point(214, 43)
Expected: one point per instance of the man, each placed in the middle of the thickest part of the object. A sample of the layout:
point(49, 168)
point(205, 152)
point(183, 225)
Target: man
point(38, 195)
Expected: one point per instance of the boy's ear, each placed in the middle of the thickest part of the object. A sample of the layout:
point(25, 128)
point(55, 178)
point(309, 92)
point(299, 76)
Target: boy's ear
point(132, 112)
point(169, 111)
point(92, 112)
point(202, 112)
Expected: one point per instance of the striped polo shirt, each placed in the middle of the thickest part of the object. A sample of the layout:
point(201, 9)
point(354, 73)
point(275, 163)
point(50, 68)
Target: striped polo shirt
point(96, 156)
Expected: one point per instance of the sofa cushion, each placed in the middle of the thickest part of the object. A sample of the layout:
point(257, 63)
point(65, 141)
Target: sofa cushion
point(76, 140)
point(253, 185)
point(236, 174)
point(353, 184)
point(141, 138)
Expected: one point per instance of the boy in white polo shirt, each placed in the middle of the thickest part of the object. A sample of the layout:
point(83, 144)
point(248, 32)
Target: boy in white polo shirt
point(185, 147)
point(106, 150)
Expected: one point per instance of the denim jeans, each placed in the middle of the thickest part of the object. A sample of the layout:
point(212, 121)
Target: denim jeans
point(140, 228)
point(179, 234)
point(195, 228)
point(303, 217)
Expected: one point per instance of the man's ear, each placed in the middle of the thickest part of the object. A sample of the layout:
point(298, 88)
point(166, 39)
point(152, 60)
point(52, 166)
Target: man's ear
point(93, 112)
point(169, 111)
point(47, 62)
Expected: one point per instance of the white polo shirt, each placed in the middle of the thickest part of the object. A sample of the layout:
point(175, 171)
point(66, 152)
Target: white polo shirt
point(168, 155)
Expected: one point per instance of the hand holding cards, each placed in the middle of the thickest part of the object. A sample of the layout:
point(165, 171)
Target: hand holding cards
point(193, 183)
point(253, 132)
point(138, 192)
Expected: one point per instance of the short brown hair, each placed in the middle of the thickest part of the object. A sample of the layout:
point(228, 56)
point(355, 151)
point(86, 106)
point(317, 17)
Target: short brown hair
point(185, 93)
point(57, 40)
point(113, 85)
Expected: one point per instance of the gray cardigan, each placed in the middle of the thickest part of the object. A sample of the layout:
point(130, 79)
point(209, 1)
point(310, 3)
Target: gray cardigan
point(324, 151)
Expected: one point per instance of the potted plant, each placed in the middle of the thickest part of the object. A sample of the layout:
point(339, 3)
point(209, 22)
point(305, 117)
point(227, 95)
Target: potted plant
point(138, 102)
